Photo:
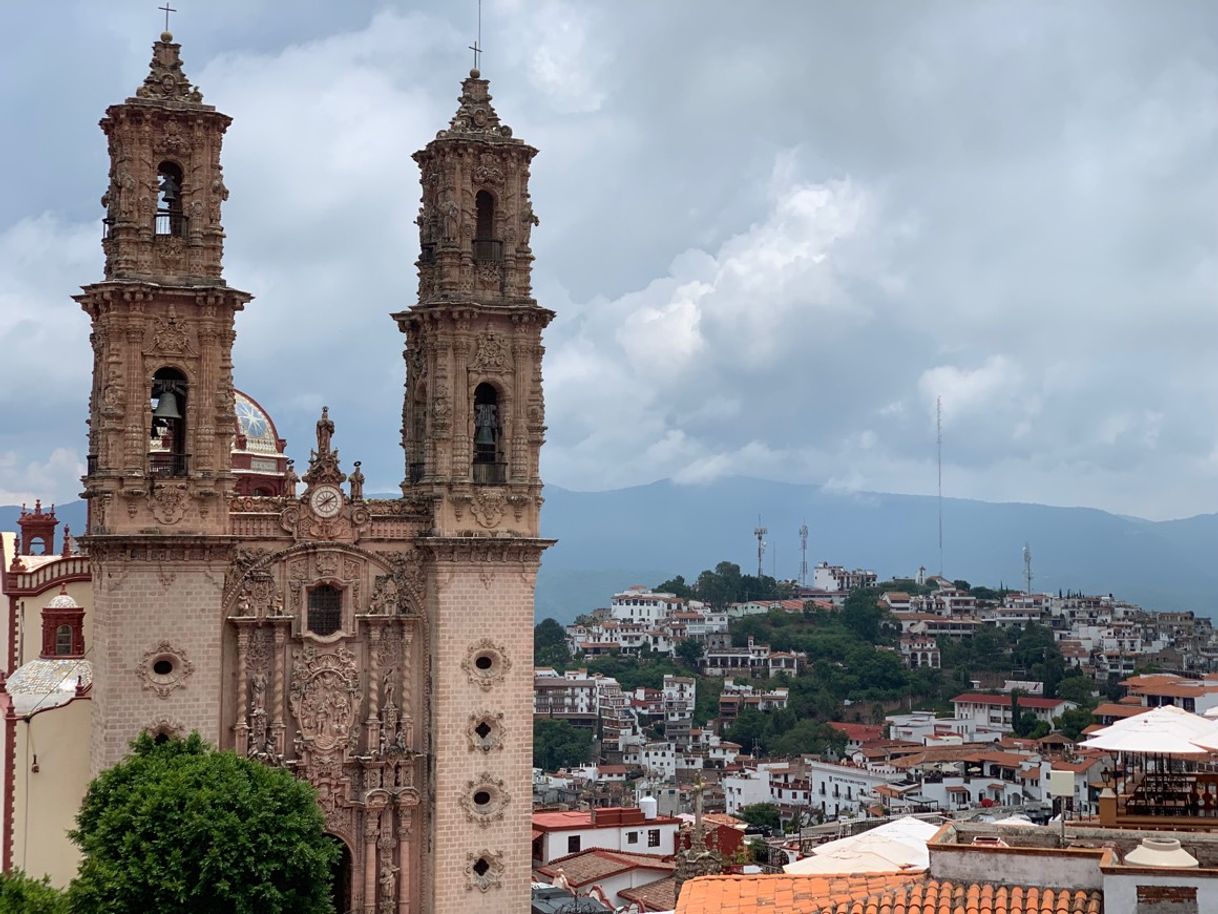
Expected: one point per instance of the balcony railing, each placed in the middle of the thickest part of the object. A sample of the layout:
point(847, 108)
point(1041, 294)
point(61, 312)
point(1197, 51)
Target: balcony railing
point(490, 474)
point(169, 223)
point(163, 463)
point(488, 251)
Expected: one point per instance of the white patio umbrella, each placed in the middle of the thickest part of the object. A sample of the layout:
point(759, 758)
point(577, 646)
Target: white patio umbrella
point(1167, 730)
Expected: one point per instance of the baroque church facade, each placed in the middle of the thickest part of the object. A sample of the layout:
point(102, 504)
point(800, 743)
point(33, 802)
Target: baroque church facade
point(380, 648)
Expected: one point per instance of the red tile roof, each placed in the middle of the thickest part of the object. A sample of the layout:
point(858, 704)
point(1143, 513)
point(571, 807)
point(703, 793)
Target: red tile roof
point(860, 732)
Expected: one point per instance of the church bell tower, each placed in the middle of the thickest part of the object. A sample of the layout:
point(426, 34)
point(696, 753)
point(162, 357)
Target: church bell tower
point(472, 428)
point(160, 415)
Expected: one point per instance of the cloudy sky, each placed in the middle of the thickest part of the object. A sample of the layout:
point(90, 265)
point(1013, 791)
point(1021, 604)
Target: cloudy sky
point(773, 232)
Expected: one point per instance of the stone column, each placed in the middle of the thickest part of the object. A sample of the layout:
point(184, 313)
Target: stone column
point(243, 727)
point(372, 828)
point(277, 725)
point(405, 848)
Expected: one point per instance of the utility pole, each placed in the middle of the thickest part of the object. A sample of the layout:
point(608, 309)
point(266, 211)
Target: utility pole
point(1027, 569)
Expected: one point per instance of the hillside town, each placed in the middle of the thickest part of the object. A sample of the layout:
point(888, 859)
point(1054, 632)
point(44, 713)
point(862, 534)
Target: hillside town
point(662, 699)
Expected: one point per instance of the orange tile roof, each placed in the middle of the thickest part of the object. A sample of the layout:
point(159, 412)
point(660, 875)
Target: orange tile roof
point(888, 894)
point(778, 893)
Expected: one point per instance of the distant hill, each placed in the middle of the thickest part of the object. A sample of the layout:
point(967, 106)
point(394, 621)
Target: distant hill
point(645, 534)
point(649, 533)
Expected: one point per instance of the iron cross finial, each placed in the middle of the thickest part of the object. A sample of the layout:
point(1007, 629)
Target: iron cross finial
point(476, 47)
point(167, 9)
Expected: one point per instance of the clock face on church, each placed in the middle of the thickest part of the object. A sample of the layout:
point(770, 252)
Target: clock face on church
point(326, 501)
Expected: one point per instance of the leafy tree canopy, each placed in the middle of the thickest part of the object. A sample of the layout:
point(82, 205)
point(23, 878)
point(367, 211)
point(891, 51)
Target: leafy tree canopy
point(21, 894)
point(560, 744)
point(180, 827)
point(762, 815)
point(550, 644)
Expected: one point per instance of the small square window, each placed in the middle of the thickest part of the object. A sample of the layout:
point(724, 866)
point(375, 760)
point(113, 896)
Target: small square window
point(632, 837)
point(573, 844)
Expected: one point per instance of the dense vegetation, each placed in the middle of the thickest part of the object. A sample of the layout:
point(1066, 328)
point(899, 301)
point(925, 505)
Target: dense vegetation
point(20, 894)
point(854, 670)
point(559, 744)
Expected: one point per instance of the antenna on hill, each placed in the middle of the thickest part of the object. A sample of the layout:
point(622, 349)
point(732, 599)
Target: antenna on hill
point(1027, 569)
point(803, 554)
point(939, 441)
point(760, 532)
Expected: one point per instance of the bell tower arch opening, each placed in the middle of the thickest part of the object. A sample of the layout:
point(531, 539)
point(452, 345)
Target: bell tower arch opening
point(169, 217)
point(167, 452)
point(489, 467)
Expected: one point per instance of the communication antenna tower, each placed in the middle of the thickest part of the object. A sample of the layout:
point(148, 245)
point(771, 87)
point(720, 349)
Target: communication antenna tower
point(939, 441)
point(1027, 569)
point(760, 532)
point(803, 555)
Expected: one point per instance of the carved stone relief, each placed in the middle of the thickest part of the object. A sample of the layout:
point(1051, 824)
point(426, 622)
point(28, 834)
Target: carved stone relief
point(168, 503)
point(324, 697)
point(163, 669)
point(485, 799)
point(486, 664)
point(485, 731)
point(484, 870)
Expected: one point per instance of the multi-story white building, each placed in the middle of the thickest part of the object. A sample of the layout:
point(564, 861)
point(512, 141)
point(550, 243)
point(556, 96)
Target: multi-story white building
point(657, 759)
point(639, 605)
point(844, 788)
point(835, 578)
point(750, 785)
point(996, 710)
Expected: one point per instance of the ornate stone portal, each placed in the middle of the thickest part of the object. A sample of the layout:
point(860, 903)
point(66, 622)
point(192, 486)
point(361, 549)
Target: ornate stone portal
point(334, 695)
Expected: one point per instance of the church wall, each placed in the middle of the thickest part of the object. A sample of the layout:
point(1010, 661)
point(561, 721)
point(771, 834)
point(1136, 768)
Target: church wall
point(45, 802)
point(481, 605)
point(146, 613)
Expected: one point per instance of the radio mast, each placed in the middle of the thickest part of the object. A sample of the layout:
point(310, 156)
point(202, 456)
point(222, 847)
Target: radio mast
point(803, 554)
point(760, 532)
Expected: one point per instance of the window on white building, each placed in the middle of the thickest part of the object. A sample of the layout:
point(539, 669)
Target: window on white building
point(653, 837)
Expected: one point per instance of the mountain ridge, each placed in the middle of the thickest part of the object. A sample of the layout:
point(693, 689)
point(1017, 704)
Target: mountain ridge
point(644, 534)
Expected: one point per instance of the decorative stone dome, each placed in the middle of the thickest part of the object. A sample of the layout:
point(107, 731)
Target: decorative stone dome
point(255, 425)
point(63, 600)
point(47, 683)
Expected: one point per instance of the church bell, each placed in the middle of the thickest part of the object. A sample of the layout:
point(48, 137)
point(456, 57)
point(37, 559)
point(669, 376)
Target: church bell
point(167, 406)
point(484, 436)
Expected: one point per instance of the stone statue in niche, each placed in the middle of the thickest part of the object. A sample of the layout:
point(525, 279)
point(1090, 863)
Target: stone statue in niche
point(384, 596)
point(356, 479)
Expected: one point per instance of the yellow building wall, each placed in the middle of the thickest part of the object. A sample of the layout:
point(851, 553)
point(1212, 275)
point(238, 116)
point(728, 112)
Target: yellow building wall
point(45, 802)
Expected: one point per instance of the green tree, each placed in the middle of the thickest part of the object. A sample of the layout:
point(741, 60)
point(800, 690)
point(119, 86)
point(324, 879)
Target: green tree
point(1029, 726)
point(178, 826)
point(677, 587)
point(550, 644)
point(21, 894)
point(559, 744)
point(863, 615)
point(1073, 722)
point(689, 652)
point(1077, 689)
point(762, 815)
